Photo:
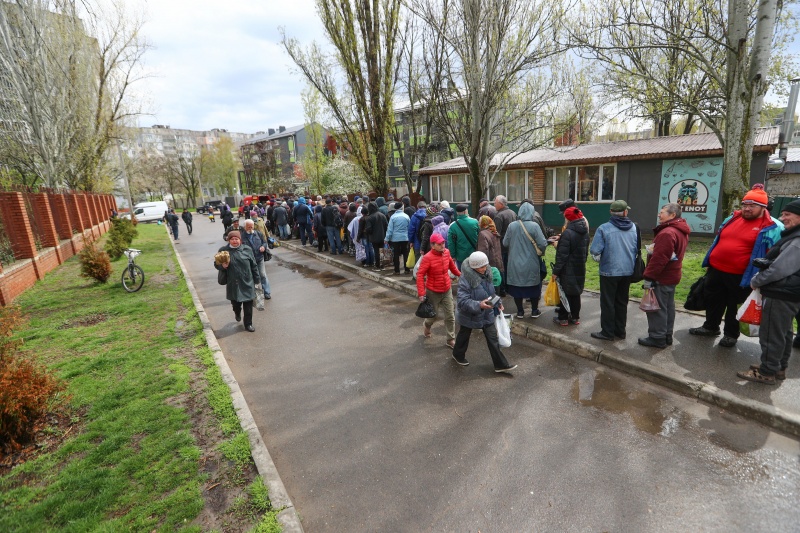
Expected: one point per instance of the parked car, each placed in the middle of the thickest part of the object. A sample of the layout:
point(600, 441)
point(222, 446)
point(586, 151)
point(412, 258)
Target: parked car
point(211, 205)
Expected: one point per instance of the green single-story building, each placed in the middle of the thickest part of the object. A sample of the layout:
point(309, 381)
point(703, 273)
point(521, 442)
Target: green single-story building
point(646, 173)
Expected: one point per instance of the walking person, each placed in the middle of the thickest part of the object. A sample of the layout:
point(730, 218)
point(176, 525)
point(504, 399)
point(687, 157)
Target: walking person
point(745, 235)
point(433, 283)
point(780, 286)
point(663, 273)
point(187, 219)
point(397, 238)
point(242, 273)
point(172, 220)
point(525, 243)
point(475, 311)
point(258, 246)
point(615, 246)
point(489, 242)
point(572, 250)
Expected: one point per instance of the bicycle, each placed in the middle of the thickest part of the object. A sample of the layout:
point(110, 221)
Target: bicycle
point(133, 275)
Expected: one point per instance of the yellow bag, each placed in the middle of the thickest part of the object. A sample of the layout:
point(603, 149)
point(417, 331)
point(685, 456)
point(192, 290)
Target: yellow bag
point(412, 260)
point(551, 297)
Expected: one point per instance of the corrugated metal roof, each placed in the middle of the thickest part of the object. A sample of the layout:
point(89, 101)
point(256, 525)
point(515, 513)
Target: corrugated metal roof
point(698, 144)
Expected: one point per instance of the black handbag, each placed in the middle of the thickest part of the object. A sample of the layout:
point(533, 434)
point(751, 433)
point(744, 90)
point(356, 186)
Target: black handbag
point(425, 309)
point(638, 262)
point(222, 276)
point(267, 254)
point(696, 300)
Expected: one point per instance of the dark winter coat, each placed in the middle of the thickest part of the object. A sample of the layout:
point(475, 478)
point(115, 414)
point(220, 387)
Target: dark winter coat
point(571, 254)
point(474, 288)
point(280, 216)
point(255, 242)
point(187, 218)
point(242, 273)
point(375, 228)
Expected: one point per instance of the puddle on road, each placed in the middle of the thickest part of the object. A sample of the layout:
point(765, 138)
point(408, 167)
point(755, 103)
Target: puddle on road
point(600, 390)
point(327, 278)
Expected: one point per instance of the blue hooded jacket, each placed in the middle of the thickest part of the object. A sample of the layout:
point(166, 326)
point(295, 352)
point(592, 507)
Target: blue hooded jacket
point(614, 246)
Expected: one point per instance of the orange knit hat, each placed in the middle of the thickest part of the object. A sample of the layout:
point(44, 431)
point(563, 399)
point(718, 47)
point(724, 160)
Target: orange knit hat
point(757, 195)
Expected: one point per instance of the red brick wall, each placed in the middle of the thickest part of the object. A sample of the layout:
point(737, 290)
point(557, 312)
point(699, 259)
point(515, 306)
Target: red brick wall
point(59, 244)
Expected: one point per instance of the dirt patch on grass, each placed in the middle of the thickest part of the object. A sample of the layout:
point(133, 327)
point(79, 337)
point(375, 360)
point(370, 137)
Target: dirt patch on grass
point(87, 320)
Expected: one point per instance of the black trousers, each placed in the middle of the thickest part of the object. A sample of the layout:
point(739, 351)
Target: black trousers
point(490, 332)
point(399, 249)
point(614, 291)
point(723, 296)
point(376, 246)
point(248, 311)
point(574, 301)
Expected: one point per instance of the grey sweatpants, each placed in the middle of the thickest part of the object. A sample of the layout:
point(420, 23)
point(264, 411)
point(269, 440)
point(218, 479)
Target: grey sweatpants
point(660, 323)
point(775, 334)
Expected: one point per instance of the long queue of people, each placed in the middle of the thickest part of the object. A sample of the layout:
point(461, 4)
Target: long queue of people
point(502, 252)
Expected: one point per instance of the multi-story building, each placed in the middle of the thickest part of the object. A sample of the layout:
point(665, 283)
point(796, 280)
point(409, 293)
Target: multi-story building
point(165, 141)
point(269, 160)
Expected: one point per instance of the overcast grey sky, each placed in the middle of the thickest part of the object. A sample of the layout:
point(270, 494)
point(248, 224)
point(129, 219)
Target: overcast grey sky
point(219, 64)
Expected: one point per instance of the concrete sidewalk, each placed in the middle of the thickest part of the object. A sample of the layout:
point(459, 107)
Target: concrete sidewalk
point(694, 366)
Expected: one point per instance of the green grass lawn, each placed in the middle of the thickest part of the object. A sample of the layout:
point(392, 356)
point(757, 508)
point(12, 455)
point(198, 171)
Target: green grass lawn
point(151, 411)
point(692, 270)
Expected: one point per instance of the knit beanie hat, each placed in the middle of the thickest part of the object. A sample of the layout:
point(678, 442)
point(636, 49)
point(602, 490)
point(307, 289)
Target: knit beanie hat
point(432, 210)
point(573, 213)
point(757, 195)
point(792, 207)
point(478, 259)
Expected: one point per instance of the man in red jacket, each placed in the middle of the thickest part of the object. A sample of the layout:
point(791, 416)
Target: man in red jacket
point(663, 273)
point(433, 283)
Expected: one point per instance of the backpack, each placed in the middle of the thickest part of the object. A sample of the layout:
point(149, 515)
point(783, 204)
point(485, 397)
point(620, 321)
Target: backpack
point(337, 219)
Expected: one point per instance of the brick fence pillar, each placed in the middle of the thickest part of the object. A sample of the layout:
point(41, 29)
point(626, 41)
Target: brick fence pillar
point(75, 216)
point(45, 213)
point(63, 225)
point(17, 225)
point(86, 216)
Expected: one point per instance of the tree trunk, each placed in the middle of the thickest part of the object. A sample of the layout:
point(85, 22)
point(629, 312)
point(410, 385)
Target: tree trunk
point(746, 86)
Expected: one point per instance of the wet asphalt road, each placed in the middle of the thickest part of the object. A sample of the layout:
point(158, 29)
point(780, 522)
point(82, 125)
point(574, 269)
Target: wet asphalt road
point(373, 428)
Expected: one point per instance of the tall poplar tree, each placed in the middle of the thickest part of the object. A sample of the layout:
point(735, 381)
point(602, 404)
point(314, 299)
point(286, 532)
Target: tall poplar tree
point(357, 79)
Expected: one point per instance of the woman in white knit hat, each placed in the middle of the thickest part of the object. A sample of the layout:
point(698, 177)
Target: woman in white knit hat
point(475, 311)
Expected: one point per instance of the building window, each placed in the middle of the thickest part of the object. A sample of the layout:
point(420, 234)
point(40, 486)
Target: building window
point(446, 188)
point(591, 183)
point(498, 185)
point(516, 186)
point(460, 189)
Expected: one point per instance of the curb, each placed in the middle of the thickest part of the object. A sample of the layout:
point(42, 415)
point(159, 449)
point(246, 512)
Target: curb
point(288, 517)
point(768, 415)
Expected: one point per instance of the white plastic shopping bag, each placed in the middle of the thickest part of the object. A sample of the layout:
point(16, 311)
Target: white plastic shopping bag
point(503, 330)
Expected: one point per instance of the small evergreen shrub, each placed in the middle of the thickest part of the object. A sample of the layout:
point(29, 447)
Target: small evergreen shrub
point(120, 237)
point(27, 389)
point(95, 263)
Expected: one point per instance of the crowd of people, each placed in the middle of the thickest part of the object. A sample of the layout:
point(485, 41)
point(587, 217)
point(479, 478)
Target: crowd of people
point(502, 252)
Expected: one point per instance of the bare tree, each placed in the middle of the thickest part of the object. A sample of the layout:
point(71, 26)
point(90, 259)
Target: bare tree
point(364, 34)
point(494, 78)
point(67, 68)
point(704, 59)
point(415, 134)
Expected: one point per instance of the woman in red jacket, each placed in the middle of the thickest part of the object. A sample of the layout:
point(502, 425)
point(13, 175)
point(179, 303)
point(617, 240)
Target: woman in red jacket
point(433, 283)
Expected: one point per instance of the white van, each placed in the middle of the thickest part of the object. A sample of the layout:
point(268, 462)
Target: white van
point(149, 211)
